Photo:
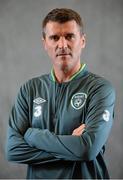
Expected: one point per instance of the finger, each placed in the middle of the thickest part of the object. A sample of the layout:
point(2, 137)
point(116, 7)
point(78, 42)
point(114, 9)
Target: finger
point(78, 133)
point(80, 128)
point(81, 131)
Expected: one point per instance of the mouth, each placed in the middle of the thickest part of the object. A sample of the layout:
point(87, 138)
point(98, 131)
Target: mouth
point(63, 54)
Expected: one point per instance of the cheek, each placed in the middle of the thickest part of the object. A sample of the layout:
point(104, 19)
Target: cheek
point(51, 51)
point(77, 48)
point(48, 46)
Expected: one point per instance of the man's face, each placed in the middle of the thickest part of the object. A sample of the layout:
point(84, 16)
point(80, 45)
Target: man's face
point(63, 43)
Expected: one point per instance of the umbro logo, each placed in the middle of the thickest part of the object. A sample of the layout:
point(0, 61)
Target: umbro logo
point(39, 100)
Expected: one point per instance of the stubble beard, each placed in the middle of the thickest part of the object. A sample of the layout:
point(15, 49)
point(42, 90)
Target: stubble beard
point(64, 65)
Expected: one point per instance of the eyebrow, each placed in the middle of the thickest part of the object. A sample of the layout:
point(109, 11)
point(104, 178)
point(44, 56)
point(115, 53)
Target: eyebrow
point(67, 34)
point(70, 34)
point(53, 35)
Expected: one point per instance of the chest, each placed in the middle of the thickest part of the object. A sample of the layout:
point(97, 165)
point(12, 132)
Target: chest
point(59, 108)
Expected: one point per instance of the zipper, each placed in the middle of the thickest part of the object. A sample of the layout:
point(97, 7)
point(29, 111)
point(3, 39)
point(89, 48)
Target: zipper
point(57, 100)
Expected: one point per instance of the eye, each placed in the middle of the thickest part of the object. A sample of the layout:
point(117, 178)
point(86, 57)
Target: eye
point(70, 37)
point(54, 38)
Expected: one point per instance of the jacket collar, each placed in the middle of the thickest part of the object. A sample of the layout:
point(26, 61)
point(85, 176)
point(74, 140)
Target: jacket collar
point(81, 72)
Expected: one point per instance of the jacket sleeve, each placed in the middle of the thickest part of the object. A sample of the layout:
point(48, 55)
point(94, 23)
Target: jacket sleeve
point(99, 119)
point(17, 149)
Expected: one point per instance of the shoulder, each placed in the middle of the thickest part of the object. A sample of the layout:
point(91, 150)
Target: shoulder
point(34, 83)
point(97, 81)
point(99, 85)
point(36, 80)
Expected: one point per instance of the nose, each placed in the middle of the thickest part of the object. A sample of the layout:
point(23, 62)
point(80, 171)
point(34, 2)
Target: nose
point(62, 43)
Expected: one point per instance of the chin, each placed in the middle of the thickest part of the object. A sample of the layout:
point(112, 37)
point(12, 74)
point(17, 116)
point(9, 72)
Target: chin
point(65, 66)
point(63, 62)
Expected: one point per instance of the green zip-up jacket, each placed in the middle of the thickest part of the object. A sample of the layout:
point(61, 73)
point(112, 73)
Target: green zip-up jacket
point(43, 118)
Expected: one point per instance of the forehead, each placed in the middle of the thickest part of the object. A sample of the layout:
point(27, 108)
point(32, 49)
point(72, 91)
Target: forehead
point(62, 28)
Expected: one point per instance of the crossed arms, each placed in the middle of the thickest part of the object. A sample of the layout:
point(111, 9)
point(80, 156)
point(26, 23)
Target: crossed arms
point(37, 146)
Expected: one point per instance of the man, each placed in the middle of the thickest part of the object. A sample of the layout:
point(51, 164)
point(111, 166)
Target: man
point(60, 122)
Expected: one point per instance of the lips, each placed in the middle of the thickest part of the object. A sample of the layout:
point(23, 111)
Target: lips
point(62, 54)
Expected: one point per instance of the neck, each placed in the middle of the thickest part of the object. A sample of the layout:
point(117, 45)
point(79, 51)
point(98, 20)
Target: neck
point(65, 74)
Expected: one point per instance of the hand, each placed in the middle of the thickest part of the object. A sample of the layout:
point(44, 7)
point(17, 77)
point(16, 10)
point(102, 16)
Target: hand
point(78, 131)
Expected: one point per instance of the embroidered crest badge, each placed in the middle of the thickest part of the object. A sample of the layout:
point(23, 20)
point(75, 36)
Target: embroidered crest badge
point(78, 100)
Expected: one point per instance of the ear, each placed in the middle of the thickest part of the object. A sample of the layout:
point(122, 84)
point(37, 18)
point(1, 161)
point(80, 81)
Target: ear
point(83, 41)
point(44, 43)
